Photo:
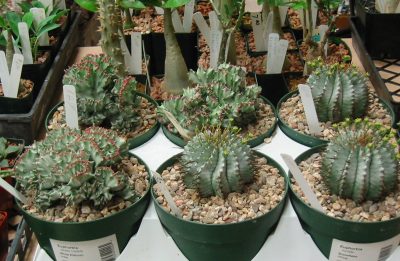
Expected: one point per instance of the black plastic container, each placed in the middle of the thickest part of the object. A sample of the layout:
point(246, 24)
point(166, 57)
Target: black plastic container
point(274, 86)
point(379, 32)
point(187, 43)
point(16, 105)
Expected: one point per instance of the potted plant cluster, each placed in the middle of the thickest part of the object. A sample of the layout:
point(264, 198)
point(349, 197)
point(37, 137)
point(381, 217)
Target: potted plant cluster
point(81, 186)
point(229, 197)
point(356, 180)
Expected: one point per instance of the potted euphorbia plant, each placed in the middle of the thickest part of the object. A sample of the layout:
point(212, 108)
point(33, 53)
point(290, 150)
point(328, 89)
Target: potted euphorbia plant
point(82, 186)
point(356, 180)
point(229, 197)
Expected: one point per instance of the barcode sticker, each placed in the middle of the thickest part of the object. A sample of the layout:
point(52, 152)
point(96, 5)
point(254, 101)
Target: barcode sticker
point(348, 251)
point(103, 249)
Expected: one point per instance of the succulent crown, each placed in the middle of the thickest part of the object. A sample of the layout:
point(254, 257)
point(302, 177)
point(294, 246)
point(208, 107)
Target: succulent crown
point(362, 162)
point(217, 162)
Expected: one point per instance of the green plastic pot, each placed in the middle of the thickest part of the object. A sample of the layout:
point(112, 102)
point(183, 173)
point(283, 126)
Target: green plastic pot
point(124, 224)
point(309, 140)
point(177, 139)
point(133, 142)
point(323, 228)
point(231, 242)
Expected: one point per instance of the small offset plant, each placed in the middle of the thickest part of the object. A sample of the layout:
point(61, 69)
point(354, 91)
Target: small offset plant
point(217, 162)
point(339, 91)
point(103, 98)
point(8, 151)
point(362, 162)
point(71, 167)
point(219, 97)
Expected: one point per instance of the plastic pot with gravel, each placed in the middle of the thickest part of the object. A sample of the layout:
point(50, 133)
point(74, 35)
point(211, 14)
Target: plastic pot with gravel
point(356, 180)
point(85, 195)
point(229, 197)
point(339, 91)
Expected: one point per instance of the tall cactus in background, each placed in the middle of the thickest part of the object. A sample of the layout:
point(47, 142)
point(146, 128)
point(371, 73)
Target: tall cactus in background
point(217, 162)
point(362, 162)
point(339, 91)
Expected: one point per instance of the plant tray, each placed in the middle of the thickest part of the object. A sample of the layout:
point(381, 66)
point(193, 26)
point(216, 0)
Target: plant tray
point(25, 126)
point(383, 73)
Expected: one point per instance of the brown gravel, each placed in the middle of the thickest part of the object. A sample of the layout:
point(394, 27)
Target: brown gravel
point(25, 88)
point(336, 52)
point(138, 181)
point(292, 114)
point(258, 198)
point(346, 209)
point(148, 118)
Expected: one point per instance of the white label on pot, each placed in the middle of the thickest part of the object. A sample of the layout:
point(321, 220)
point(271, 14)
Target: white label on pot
point(252, 6)
point(203, 26)
point(103, 249)
point(276, 53)
point(258, 31)
point(70, 106)
point(215, 39)
point(159, 10)
point(167, 194)
point(26, 45)
point(347, 251)
point(177, 22)
point(309, 109)
point(314, 12)
point(188, 17)
point(38, 16)
point(47, 4)
point(133, 59)
point(10, 81)
point(282, 13)
point(322, 31)
point(268, 28)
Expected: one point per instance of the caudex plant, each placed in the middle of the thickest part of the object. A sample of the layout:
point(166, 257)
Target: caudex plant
point(219, 97)
point(217, 162)
point(362, 162)
point(71, 167)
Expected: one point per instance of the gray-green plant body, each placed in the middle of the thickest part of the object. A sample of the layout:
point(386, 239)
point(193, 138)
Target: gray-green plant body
point(339, 91)
point(219, 97)
point(362, 161)
point(217, 162)
point(71, 167)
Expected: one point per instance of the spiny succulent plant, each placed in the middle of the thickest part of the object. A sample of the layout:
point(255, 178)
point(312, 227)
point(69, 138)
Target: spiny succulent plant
point(104, 99)
point(219, 97)
point(339, 91)
point(362, 161)
point(71, 167)
point(217, 162)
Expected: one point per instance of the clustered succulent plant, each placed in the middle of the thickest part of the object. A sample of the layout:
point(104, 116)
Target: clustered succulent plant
point(219, 97)
point(103, 98)
point(217, 162)
point(339, 91)
point(71, 167)
point(8, 151)
point(362, 162)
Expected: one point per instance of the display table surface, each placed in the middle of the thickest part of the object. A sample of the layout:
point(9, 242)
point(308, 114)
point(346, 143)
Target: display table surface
point(288, 242)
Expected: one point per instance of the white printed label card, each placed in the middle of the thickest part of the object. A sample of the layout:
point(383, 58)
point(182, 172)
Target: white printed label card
point(103, 249)
point(347, 251)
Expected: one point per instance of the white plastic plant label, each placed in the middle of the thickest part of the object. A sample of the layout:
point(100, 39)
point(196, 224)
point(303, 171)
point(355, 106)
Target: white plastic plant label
point(159, 10)
point(10, 80)
point(347, 251)
point(133, 59)
point(309, 109)
point(282, 13)
point(268, 28)
point(39, 15)
point(103, 249)
point(25, 42)
point(177, 22)
point(70, 106)
point(215, 39)
point(252, 6)
point(276, 53)
point(258, 31)
point(322, 31)
point(188, 17)
point(314, 13)
point(203, 26)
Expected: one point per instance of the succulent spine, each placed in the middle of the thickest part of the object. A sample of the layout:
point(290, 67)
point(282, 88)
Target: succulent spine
point(362, 162)
point(217, 162)
point(339, 91)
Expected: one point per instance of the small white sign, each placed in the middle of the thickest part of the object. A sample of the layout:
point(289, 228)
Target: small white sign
point(252, 6)
point(159, 10)
point(309, 109)
point(167, 194)
point(215, 39)
point(276, 53)
point(133, 59)
point(177, 22)
point(38, 16)
point(10, 81)
point(347, 251)
point(258, 31)
point(188, 17)
point(282, 12)
point(322, 31)
point(314, 13)
point(70, 106)
point(268, 28)
point(105, 248)
point(25, 42)
point(203, 26)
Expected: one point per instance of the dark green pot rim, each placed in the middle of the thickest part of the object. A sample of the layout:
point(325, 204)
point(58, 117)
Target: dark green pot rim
point(177, 140)
point(309, 140)
point(133, 142)
point(305, 155)
point(270, 161)
point(143, 198)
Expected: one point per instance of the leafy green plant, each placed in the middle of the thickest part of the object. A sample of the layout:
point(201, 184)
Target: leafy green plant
point(70, 167)
point(8, 151)
point(362, 161)
point(219, 97)
point(217, 162)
